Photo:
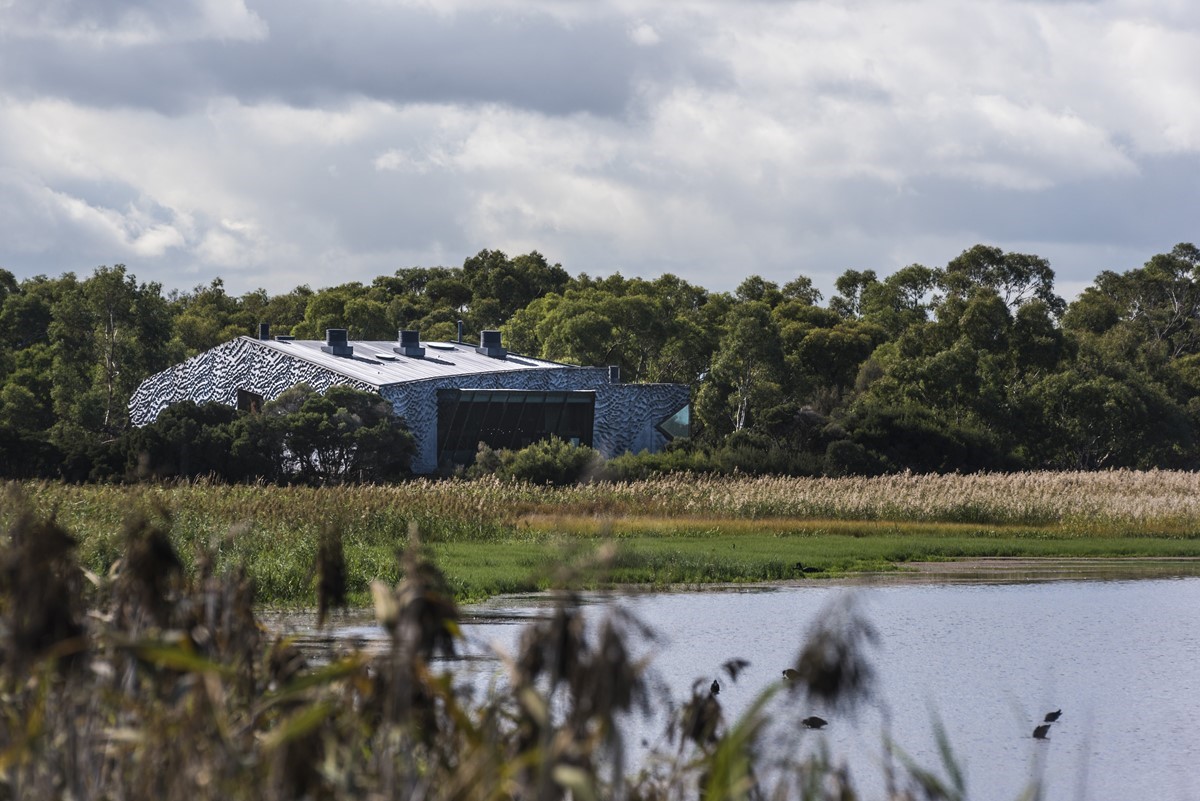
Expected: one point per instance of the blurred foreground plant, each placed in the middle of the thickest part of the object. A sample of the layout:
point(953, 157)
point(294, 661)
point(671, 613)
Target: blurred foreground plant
point(167, 687)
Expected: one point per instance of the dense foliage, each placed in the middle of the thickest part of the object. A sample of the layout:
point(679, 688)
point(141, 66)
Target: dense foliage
point(151, 682)
point(975, 365)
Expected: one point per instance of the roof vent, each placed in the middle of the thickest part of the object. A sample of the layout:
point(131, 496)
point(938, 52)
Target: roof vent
point(335, 342)
point(410, 345)
point(264, 330)
point(489, 345)
point(284, 337)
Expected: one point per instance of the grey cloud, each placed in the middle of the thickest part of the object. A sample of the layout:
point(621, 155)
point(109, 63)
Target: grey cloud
point(864, 223)
point(1155, 208)
point(317, 53)
point(280, 211)
point(52, 16)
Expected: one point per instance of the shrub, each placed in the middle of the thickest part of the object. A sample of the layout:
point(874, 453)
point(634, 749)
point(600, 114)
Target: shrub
point(550, 461)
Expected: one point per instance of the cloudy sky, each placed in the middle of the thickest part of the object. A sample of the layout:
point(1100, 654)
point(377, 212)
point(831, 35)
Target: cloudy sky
point(280, 142)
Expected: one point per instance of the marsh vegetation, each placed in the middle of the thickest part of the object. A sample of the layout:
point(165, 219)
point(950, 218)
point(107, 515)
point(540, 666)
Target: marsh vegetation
point(491, 537)
point(151, 682)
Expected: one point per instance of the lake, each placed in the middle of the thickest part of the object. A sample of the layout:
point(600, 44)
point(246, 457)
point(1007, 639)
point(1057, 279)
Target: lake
point(986, 658)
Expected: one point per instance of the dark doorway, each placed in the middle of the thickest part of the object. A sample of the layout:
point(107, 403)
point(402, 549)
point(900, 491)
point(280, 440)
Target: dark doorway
point(509, 418)
point(249, 401)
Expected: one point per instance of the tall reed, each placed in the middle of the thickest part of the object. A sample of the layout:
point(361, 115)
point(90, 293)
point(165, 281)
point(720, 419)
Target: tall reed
point(149, 683)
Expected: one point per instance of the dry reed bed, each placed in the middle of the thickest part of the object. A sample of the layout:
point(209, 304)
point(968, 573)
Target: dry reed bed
point(1129, 498)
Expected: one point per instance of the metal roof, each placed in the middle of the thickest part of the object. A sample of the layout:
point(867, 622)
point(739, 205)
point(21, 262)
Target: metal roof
point(376, 362)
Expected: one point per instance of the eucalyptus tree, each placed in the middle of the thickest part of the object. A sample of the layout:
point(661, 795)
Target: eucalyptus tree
point(1158, 302)
point(747, 373)
point(207, 316)
point(1016, 278)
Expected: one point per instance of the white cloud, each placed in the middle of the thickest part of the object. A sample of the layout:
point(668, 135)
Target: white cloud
point(644, 35)
point(753, 137)
point(129, 231)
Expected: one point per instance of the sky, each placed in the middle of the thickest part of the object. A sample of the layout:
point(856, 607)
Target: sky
point(274, 143)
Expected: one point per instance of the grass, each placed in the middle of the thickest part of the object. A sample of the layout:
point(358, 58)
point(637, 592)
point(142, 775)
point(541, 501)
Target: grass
point(491, 537)
point(152, 682)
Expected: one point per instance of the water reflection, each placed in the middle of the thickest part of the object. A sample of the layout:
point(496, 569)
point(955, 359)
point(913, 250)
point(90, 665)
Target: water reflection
point(986, 658)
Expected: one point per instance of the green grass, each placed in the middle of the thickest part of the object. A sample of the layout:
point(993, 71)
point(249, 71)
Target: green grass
point(490, 538)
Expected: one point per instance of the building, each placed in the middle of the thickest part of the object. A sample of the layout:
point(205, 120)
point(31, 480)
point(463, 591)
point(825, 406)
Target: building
point(451, 395)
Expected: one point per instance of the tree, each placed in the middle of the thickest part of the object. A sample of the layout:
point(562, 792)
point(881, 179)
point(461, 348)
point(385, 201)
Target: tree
point(900, 301)
point(1037, 344)
point(1161, 301)
point(801, 289)
point(132, 331)
point(755, 288)
point(830, 357)
point(25, 393)
point(186, 441)
point(746, 373)
point(910, 437)
point(512, 283)
point(655, 331)
point(206, 317)
point(344, 435)
point(1016, 278)
point(850, 287)
point(327, 309)
point(1092, 417)
point(368, 319)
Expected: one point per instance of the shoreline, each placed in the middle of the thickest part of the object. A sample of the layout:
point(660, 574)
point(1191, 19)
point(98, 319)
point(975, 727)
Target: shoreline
point(974, 570)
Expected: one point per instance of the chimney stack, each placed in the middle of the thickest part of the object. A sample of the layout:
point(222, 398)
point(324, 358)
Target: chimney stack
point(410, 344)
point(336, 343)
point(489, 345)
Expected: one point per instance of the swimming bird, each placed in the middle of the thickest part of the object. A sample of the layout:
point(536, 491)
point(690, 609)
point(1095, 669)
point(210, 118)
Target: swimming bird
point(814, 722)
point(790, 674)
point(1053, 716)
point(1041, 731)
point(714, 688)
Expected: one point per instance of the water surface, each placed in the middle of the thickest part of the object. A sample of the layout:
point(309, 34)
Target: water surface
point(987, 659)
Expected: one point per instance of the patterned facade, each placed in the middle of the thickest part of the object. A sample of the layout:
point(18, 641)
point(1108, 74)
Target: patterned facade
point(627, 416)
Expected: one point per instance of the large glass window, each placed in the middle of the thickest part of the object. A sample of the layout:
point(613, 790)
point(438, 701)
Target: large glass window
point(678, 425)
point(509, 418)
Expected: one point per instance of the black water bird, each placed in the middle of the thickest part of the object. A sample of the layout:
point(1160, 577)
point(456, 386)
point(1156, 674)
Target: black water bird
point(1041, 732)
point(1053, 716)
point(714, 688)
point(814, 722)
point(735, 666)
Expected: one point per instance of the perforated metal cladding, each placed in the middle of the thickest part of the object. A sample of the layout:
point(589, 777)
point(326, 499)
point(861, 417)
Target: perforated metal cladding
point(216, 375)
point(626, 415)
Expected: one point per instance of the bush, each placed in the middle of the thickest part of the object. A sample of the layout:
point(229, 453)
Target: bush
point(846, 458)
point(677, 457)
point(550, 461)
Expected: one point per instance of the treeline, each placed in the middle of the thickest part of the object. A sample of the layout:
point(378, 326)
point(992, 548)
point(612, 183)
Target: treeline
point(975, 365)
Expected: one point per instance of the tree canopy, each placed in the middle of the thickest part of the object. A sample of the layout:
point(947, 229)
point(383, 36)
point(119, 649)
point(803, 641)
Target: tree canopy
point(977, 364)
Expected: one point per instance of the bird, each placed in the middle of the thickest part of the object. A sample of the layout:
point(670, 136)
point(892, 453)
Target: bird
point(1041, 731)
point(714, 688)
point(790, 674)
point(814, 722)
point(1053, 716)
